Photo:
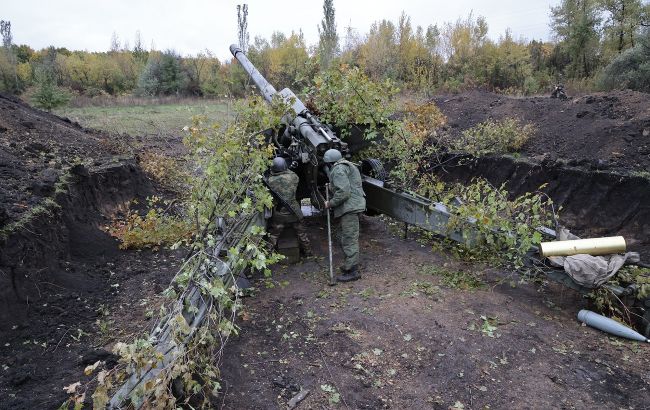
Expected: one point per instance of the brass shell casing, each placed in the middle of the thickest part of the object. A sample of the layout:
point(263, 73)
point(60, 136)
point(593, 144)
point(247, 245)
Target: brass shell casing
point(593, 246)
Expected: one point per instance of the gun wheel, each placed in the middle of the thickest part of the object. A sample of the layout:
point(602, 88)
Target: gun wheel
point(374, 168)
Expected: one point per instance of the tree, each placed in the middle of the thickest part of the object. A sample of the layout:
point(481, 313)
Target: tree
point(48, 95)
point(197, 66)
point(328, 47)
point(115, 43)
point(575, 22)
point(289, 60)
point(8, 61)
point(379, 54)
point(139, 53)
point(464, 43)
point(624, 18)
point(163, 75)
point(631, 69)
point(242, 27)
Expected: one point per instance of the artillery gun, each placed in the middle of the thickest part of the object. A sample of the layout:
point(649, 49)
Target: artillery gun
point(304, 140)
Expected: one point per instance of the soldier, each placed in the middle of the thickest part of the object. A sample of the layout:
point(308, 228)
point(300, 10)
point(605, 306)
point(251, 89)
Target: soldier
point(286, 212)
point(347, 200)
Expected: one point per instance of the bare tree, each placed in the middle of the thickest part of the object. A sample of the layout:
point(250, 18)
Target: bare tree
point(242, 26)
point(115, 43)
point(138, 49)
point(5, 30)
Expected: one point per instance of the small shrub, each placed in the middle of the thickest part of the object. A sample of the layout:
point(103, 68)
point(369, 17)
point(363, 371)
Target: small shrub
point(491, 136)
point(611, 305)
point(531, 85)
point(453, 85)
point(165, 170)
point(407, 144)
point(48, 96)
point(155, 229)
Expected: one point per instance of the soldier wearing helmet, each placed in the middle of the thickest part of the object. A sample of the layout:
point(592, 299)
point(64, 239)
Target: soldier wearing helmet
point(347, 200)
point(286, 212)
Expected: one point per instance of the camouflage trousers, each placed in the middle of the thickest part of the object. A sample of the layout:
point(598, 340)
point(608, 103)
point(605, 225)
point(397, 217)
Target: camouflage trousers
point(275, 230)
point(349, 239)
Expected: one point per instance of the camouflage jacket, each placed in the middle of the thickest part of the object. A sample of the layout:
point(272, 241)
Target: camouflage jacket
point(347, 193)
point(285, 184)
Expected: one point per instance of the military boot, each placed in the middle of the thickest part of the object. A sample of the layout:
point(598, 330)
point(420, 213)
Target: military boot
point(349, 275)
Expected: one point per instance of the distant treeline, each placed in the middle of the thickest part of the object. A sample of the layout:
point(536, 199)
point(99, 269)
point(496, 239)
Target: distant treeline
point(599, 44)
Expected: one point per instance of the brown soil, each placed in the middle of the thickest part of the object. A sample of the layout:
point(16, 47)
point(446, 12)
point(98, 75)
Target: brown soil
point(34, 147)
point(399, 338)
point(67, 292)
point(88, 306)
point(597, 131)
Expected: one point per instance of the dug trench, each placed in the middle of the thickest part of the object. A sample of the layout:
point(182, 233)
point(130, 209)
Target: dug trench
point(68, 291)
point(592, 203)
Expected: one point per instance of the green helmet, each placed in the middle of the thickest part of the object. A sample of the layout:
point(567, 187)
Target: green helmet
point(279, 164)
point(332, 155)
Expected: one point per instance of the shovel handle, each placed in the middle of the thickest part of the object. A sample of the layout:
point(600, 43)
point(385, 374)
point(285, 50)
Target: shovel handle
point(329, 235)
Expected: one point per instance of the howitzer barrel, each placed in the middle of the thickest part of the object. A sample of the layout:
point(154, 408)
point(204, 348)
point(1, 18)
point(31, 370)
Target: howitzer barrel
point(267, 90)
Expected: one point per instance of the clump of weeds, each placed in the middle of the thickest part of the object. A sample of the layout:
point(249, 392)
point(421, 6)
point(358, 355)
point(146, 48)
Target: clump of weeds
point(461, 280)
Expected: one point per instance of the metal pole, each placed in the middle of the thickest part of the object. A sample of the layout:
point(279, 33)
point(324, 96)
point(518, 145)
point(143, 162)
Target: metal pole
point(329, 235)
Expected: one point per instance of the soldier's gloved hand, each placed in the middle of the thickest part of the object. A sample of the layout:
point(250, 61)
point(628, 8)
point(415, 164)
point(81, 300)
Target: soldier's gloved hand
point(327, 205)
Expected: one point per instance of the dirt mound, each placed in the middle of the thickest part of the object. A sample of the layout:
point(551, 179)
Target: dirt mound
point(596, 131)
point(34, 148)
point(66, 290)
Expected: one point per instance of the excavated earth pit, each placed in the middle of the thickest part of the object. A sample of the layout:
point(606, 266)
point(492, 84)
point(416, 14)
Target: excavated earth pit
point(592, 152)
point(68, 292)
point(402, 337)
point(399, 338)
point(592, 203)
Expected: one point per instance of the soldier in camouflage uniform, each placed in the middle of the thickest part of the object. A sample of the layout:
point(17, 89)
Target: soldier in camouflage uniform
point(286, 212)
point(348, 201)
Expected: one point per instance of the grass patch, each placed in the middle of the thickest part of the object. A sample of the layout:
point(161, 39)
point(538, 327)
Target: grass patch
point(46, 208)
point(454, 279)
point(421, 288)
point(146, 119)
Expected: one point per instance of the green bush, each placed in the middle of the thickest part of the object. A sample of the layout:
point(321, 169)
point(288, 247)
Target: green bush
point(631, 69)
point(491, 136)
point(506, 228)
point(531, 86)
point(48, 96)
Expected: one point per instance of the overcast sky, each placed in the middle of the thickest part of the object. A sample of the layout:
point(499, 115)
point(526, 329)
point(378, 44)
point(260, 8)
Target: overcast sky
point(194, 25)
